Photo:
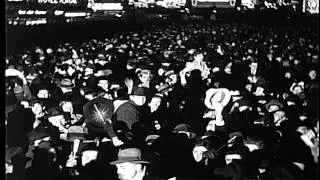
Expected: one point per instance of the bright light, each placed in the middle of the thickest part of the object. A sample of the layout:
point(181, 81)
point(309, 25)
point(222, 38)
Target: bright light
point(22, 12)
point(58, 12)
point(30, 12)
point(106, 6)
point(37, 12)
point(36, 22)
point(75, 14)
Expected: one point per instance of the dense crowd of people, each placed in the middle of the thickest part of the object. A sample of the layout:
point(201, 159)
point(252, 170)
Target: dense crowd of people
point(199, 101)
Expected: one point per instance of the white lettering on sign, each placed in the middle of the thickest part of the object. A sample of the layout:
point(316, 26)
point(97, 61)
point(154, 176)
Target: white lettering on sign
point(57, 1)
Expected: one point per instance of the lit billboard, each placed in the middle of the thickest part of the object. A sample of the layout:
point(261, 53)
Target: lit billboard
point(215, 3)
point(310, 6)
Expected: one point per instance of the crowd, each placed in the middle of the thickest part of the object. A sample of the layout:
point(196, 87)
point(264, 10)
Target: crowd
point(199, 101)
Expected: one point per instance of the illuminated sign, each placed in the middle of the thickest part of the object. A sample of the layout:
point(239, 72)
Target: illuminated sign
point(171, 3)
point(217, 3)
point(311, 6)
point(105, 6)
point(75, 14)
point(57, 1)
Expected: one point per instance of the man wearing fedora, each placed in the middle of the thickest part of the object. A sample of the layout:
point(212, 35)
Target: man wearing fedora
point(130, 165)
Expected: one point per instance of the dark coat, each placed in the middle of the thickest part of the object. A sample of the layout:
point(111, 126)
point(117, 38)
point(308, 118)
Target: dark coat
point(128, 113)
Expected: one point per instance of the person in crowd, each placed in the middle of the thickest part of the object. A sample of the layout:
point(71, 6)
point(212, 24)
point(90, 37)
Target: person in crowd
point(130, 165)
point(230, 100)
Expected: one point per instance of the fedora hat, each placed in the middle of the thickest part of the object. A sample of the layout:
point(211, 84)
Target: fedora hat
point(221, 95)
point(274, 102)
point(184, 128)
point(65, 82)
point(132, 155)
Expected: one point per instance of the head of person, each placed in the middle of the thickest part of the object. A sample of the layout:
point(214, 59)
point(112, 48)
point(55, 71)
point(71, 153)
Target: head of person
point(43, 93)
point(198, 56)
point(171, 77)
point(297, 89)
point(103, 82)
point(66, 106)
point(211, 126)
point(208, 142)
point(273, 105)
point(88, 155)
point(37, 107)
point(145, 76)
point(279, 117)
point(130, 165)
point(312, 74)
point(228, 68)
point(198, 151)
point(66, 84)
point(155, 103)
point(253, 143)
point(235, 153)
point(259, 91)
point(184, 129)
point(18, 91)
point(139, 96)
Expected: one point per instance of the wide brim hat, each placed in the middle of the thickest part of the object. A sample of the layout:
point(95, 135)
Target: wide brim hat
point(67, 83)
point(274, 102)
point(76, 132)
point(184, 128)
point(224, 94)
point(11, 152)
point(140, 91)
point(132, 155)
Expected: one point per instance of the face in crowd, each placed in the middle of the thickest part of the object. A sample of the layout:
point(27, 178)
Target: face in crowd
point(199, 57)
point(88, 156)
point(104, 84)
point(138, 100)
point(145, 78)
point(66, 106)
point(230, 157)
point(37, 108)
point(43, 93)
point(128, 171)
point(279, 117)
point(198, 151)
point(312, 74)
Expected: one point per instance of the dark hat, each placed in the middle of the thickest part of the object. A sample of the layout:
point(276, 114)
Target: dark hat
point(18, 90)
point(39, 133)
point(67, 83)
point(244, 102)
point(274, 102)
point(92, 81)
point(89, 90)
point(103, 72)
point(184, 128)
point(98, 111)
point(132, 155)
point(140, 91)
point(76, 132)
point(151, 138)
point(11, 152)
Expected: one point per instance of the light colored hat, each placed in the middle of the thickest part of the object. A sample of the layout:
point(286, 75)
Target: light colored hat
point(221, 95)
point(132, 155)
